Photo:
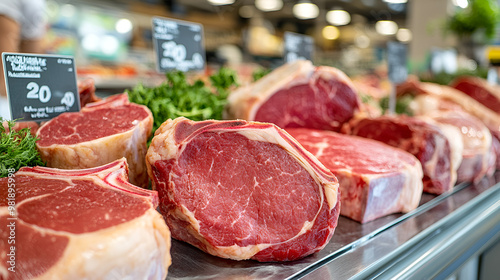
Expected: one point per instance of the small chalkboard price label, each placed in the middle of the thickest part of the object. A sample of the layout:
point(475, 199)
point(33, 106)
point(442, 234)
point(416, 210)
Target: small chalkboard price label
point(178, 45)
point(397, 62)
point(40, 87)
point(297, 46)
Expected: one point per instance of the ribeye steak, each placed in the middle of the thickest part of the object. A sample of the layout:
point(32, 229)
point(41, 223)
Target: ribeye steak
point(242, 190)
point(102, 132)
point(375, 179)
point(80, 224)
point(297, 94)
point(420, 138)
point(478, 156)
point(479, 89)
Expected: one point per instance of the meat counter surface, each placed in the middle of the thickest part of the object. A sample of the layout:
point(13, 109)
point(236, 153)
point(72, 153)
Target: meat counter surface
point(362, 251)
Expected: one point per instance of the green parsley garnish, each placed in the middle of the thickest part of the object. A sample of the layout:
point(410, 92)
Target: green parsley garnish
point(176, 97)
point(17, 149)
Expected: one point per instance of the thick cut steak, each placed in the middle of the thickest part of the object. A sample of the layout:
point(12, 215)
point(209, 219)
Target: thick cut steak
point(433, 97)
point(242, 190)
point(479, 89)
point(297, 94)
point(422, 139)
point(478, 156)
point(102, 132)
point(86, 88)
point(80, 224)
point(375, 179)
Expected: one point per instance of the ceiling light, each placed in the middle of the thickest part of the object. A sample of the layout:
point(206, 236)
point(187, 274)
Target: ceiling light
point(269, 5)
point(396, 1)
point(123, 26)
point(305, 10)
point(404, 35)
point(109, 44)
point(90, 42)
point(338, 17)
point(386, 27)
point(330, 32)
point(220, 2)
point(461, 3)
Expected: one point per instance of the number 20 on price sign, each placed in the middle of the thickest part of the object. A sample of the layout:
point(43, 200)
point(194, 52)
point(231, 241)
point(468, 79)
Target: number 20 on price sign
point(40, 87)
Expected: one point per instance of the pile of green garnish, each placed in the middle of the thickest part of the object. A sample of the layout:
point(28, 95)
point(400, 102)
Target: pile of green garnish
point(177, 97)
point(17, 149)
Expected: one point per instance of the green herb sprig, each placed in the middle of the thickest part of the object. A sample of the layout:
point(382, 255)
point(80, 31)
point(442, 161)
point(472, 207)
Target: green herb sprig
point(17, 149)
point(176, 97)
point(259, 73)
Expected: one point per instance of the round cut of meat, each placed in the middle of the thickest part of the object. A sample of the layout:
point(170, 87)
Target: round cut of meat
point(297, 94)
point(479, 89)
point(80, 224)
point(242, 190)
point(375, 179)
point(478, 156)
point(101, 133)
point(424, 140)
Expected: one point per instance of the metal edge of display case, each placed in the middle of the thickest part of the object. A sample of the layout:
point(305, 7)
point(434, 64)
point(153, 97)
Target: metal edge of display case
point(433, 253)
point(371, 235)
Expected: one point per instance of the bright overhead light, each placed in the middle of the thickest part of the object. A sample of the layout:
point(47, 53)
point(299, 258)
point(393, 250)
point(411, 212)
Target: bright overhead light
point(110, 45)
point(461, 3)
point(396, 1)
point(90, 42)
point(338, 17)
point(123, 26)
point(305, 10)
point(220, 2)
point(330, 32)
point(404, 35)
point(269, 5)
point(386, 27)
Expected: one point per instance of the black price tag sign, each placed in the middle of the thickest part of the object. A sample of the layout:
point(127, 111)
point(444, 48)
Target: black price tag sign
point(40, 87)
point(297, 46)
point(396, 60)
point(178, 45)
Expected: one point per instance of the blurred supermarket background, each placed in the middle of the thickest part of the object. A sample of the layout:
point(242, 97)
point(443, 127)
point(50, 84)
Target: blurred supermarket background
point(112, 40)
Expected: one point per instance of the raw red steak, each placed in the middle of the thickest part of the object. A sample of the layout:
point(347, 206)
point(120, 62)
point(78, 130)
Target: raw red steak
point(242, 190)
point(423, 140)
point(478, 156)
point(433, 97)
point(297, 94)
point(479, 89)
point(102, 132)
point(80, 224)
point(375, 179)
point(86, 88)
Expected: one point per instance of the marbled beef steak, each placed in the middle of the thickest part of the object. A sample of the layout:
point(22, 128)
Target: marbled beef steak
point(102, 132)
point(426, 141)
point(242, 190)
point(81, 224)
point(375, 179)
point(297, 94)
